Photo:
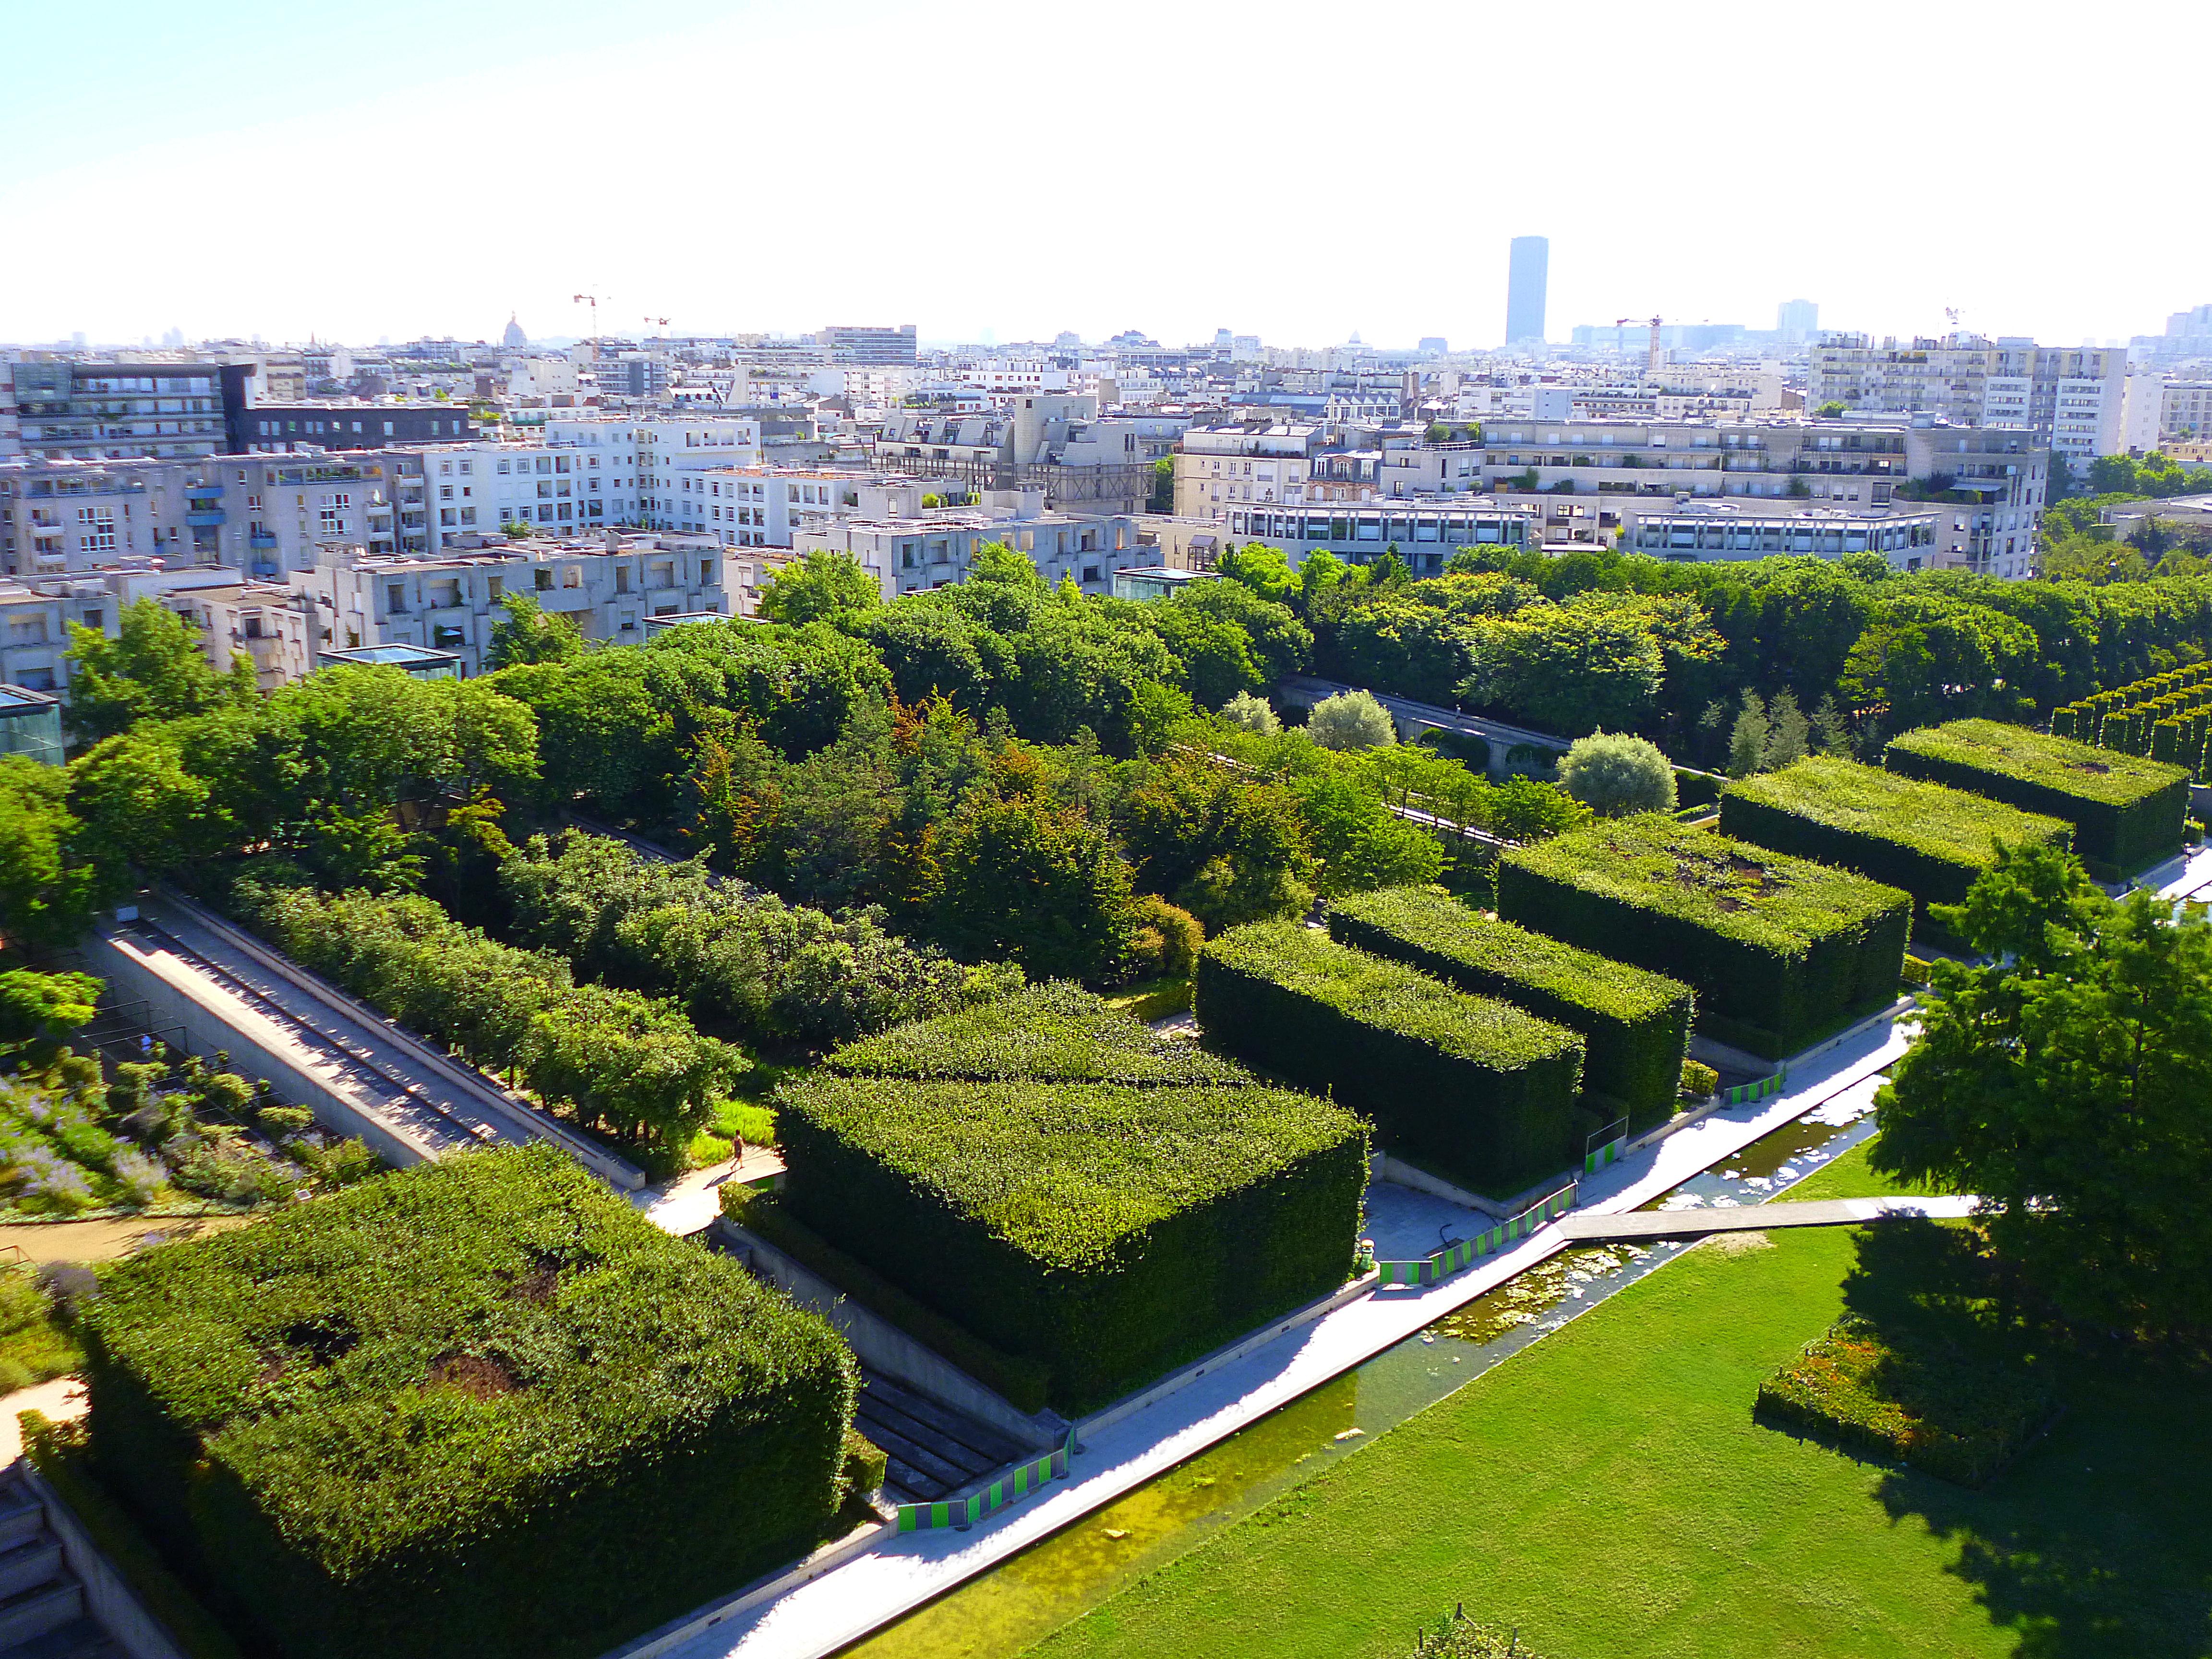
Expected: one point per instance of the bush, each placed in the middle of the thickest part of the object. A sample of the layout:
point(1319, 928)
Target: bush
point(1056, 1032)
point(1928, 838)
point(1479, 1087)
point(1164, 939)
point(481, 1408)
point(1351, 719)
point(1637, 1024)
point(1779, 950)
point(33, 1346)
point(1699, 1082)
point(1911, 1395)
point(1108, 1232)
point(861, 1470)
point(1614, 774)
point(2126, 810)
point(1461, 1637)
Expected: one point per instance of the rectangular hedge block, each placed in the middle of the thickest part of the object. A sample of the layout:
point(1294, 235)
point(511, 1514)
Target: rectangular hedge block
point(2127, 811)
point(1780, 951)
point(1637, 1024)
point(1481, 1089)
point(1927, 838)
point(1109, 1232)
point(481, 1408)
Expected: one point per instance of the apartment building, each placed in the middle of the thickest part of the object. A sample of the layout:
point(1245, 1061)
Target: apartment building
point(265, 427)
point(852, 343)
point(766, 505)
point(2073, 398)
point(1220, 469)
point(2162, 411)
point(91, 411)
point(907, 554)
point(34, 627)
point(1425, 533)
point(608, 585)
point(1693, 531)
point(1053, 442)
point(58, 516)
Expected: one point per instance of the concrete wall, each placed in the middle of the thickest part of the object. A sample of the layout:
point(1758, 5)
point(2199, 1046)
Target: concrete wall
point(881, 1345)
point(108, 1600)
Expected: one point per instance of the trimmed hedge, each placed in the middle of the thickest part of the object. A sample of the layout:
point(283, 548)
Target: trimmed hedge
point(1915, 1397)
point(1480, 1088)
point(1109, 1232)
point(2126, 810)
point(1057, 1031)
point(1636, 1024)
point(1927, 838)
point(1779, 950)
point(481, 1408)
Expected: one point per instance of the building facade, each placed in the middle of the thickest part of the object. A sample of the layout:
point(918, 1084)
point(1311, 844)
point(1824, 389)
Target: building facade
point(67, 408)
point(908, 555)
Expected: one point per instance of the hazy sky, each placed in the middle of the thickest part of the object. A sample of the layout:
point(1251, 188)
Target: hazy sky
point(1293, 170)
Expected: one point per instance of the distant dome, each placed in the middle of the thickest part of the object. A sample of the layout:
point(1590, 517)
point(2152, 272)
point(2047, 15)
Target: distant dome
point(514, 338)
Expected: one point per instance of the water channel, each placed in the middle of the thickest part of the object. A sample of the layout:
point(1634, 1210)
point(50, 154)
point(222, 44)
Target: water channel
point(1025, 1599)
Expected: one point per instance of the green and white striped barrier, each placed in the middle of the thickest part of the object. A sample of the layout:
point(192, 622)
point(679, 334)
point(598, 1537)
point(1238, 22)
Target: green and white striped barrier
point(1007, 1489)
point(1447, 1262)
point(1610, 1142)
point(1744, 1093)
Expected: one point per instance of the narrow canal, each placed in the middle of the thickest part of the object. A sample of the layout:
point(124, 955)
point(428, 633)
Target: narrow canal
point(1025, 1599)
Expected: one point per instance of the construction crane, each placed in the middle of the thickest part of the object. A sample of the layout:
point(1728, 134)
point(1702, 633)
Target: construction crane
point(662, 321)
point(592, 301)
point(1652, 358)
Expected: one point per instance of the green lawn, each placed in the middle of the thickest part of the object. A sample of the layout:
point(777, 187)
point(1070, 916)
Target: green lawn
point(1608, 1493)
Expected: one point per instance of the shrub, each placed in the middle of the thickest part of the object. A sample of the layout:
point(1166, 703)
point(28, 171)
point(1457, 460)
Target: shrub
point(481, 1408)
point(1164, 938)
point(1614, 774)
point(1637, 1024)
point(1910, 1394)
point(1699, 1082)
point(1477, 1086)
point(1251, 713)
point(1929, 839)
point(1351, 719)
point(1056, 1032)
point(1778, 950)
point(2126, 810)
point(1108, 1232)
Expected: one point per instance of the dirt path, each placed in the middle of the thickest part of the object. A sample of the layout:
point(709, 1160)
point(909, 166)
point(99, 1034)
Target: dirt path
point(105, 1240)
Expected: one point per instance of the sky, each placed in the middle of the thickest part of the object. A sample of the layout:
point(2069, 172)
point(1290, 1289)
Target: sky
point(993, 170)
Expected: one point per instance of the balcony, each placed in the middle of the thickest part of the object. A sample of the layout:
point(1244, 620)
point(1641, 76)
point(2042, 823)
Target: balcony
point(205, 518)
point(262, 540)
point(200, 492)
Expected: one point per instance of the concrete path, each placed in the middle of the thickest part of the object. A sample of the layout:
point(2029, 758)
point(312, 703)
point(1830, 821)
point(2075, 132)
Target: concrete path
point(61, 1401)
point(1640, 1225)
point(2189, 876)
point(847, 1599)
point(690, 1203)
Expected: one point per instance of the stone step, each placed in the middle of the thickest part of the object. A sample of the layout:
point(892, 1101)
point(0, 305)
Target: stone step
point(35, 1613)
point(37, 1560)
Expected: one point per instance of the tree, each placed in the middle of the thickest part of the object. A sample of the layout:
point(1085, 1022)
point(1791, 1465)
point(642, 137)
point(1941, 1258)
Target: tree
point(1351, 720)
point(1789, 733)
point(1614, 774)
point(1250, 713)
point(156, 668)
point(1360, 843)
point(1594, 663)
point(47, 888)
point(2069, 1084)
point(820, 587)
point(1265, 570)
point(1162, 497)
point(1020, 878)
point(527, 633)
point(1830, 410)
point(43, 1009)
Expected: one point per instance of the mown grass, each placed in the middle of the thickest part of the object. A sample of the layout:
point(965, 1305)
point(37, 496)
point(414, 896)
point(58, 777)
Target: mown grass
point(1610, 1495)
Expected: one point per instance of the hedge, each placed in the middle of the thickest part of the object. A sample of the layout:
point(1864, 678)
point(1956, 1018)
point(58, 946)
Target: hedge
point(1055, 1031)
point(482, 1407)
point(1927, 838)
point(1480, 1089)
point(1108, 1232)
point(1909, 1394)
point(1636, 1024)
point(2126, 810)
point(1779, 950)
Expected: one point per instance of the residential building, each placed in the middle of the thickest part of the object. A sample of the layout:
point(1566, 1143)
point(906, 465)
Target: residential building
point(2162, 409)
point(88, 410)
point(765, 506)
point(34, 628)
point(1424, 533)
point(1053, 442)
point(2075, 398)
point(1268, 463)
point(58, 516)
point(272, 427)
point(936, 549)
point(890, 347)
point(1528, 271)
point(1696, 531)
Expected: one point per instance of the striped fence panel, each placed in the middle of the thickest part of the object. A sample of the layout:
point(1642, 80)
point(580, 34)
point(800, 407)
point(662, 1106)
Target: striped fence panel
point(1744, 1093)
point(1444, 1263)
point(1607, 1145)
point(1014, 1484)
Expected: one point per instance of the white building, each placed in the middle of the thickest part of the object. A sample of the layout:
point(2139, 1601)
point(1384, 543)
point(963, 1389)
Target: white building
point(1696, 531)
point(1219, 468)
point(936, 548)
point(2075, 398)
point(58, 516)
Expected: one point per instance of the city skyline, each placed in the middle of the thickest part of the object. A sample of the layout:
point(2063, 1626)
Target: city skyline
point(722, 230)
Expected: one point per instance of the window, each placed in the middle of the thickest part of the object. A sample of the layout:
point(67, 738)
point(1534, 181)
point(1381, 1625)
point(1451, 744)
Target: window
point(544, 580)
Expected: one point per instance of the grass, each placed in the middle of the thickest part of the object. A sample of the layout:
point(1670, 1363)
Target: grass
point(33, 1347)
point(1610, 1495)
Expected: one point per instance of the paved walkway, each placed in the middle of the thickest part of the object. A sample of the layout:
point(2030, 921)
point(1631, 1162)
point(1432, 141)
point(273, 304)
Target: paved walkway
point(61, 1401)
point(1641, 1225)
point(901, 1571)
point(690, 1203)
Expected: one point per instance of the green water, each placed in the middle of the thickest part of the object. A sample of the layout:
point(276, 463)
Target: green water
point(1006, 1610)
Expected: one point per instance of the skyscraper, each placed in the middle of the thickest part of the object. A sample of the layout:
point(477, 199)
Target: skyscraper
point(1797, 321)
point(1526, 274)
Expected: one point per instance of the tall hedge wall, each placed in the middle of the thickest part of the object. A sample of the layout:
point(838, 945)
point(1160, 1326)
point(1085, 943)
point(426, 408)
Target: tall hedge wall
point(2127, 811)
point(1779, 950)
point(482, 1407)
point(1478, 1087)
point(1637, 1024)
point(1927, 838)
point(1109, 1232)
point(1056, 1031)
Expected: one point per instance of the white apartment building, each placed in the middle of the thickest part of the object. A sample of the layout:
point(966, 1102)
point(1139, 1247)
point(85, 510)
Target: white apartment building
point(58, 516)
point(608, 586)
point(1219, 469)
point(2162, 411)
point(91, 410)
point(34, 627)
point(1425, 533)
point(1696, 531)
point(766, 505)
point(936, 548)
point(2074, 399)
